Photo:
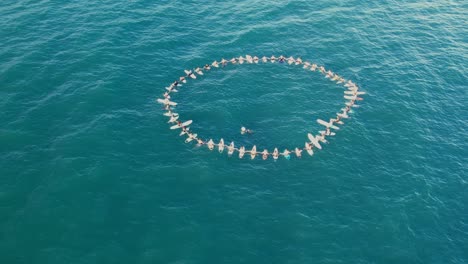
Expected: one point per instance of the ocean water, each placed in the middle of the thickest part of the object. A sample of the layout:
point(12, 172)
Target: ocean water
point(90, 172)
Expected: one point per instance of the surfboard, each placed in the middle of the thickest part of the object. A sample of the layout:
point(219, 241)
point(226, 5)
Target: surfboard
point(231, 148)
point(172, 90)
point(331, 133)
point(184, 132)
point(265, 154)
point(191, 137)
point(354, 97)
point(253, 152)
point(314, 141)
point(322, 139)
point(342, 115)
point(241, 152)
point(186, 123)
point(275, 154)
point(320, 121)
point(173, 119)
point(308, 148)
point(351, 105)
point(354, 92)
point(298, 152)
point(210, 144)
point(166, 102)
point(221, 146)
point(190, 74)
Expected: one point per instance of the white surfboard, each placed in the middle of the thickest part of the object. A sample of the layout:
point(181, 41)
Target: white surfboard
point(298, 152)
point(166, 102)
point(353, 98)
point(350, 97)
point(322, 139)
point(314, 141)
point(241, 152)
point(308, 148)
point(190, 74)
point(186, 123)
point(342, 115)
point(231, 148)
point(173, 119)
point(184, 132)
point(210, 144)
point(354, 93)
point(265, 154)
point(253, 152)
point(191, 137)
point(275, 154)
point(172, 90)
point(331, 133)
point(221, 146)
point(330, 125)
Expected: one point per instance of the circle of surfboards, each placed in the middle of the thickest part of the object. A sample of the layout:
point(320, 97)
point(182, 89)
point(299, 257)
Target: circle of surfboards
point(351, 94)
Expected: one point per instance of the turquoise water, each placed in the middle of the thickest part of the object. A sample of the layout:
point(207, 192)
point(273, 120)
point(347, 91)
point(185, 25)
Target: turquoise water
point(90, 172)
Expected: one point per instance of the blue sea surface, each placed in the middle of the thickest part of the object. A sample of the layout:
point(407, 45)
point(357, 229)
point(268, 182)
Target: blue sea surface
point(90, 172)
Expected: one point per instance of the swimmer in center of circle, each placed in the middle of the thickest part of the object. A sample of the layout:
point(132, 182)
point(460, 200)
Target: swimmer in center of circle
point(244, 131)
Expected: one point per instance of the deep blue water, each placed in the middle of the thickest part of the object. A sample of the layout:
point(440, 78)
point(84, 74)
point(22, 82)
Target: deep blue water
point(90, 172)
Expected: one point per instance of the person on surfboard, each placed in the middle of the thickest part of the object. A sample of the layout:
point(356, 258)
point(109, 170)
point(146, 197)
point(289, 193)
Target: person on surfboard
point(200, 142)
